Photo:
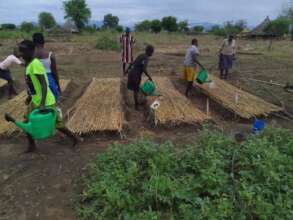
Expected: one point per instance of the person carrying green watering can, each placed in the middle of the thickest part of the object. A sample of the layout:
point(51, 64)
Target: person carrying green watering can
point(39, 94)
point(191, 64)
point(135, 71)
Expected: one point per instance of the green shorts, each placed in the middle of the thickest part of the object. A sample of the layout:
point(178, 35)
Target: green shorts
point(59, 122)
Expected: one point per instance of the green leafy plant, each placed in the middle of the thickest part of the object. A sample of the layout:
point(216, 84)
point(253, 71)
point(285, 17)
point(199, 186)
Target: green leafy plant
point(214, 178)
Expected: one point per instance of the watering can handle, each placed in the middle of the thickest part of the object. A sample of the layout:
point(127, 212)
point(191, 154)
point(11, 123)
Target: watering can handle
point(9, 118)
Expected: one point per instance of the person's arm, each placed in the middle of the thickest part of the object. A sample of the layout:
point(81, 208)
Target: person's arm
point(55, 71)
point(195, 60)
point(145, 69)
point(129, 67)
point(44, 86)
point(222, 47)
point(17, 61)
point(234, 48)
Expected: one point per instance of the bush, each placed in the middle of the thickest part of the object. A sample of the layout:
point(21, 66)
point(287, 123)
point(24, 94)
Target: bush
point(107, 41)
point(279, 27)
point(218, 31)
point(212, 179)
point(26, 26)
point(8, 26)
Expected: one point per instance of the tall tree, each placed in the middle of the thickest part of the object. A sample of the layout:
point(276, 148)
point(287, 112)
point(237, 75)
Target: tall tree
point(198, 29)
point(183, 26)
point(46, 20)
point(287, 10)
point(26, 26)
point(156, 26)
point(110, 21)
point(77, 11)
point(169, 24)
point(143, 26)
point(279, 27)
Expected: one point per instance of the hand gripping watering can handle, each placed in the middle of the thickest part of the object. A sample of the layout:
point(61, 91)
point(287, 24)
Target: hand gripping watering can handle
point(9, 118)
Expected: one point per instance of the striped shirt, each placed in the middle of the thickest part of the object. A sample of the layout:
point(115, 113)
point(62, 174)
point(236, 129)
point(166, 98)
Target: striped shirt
point(127, 42)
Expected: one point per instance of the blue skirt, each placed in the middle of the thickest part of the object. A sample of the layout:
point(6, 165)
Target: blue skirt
point(53, 86)
point(225, 62)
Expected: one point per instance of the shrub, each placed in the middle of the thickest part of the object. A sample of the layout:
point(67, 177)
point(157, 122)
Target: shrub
point(212, 179)
point(107, 41)
point(8, 26)
point(27, 26)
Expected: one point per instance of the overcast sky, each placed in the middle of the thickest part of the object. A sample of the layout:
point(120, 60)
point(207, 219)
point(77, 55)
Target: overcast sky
point(132, 11)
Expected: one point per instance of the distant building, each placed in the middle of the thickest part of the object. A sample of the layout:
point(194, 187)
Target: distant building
point(259, 31)
point(70, 27)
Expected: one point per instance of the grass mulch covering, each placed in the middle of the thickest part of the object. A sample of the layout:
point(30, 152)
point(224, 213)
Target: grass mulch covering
point(236, 100)
point(17, 108)
point(214, 178)
point(2, 83)
point(175, 108)
point(99, 108)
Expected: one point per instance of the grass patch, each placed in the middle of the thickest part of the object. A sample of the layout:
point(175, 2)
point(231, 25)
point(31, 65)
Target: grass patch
point(212, 179)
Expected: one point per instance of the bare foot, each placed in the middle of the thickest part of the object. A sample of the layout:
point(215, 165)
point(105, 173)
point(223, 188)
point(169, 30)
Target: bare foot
point(31, 149)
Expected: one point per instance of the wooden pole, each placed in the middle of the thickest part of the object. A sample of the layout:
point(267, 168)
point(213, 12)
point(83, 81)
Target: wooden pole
point(208, 107)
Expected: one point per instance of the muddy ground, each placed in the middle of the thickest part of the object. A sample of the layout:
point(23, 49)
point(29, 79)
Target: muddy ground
point(44, 185)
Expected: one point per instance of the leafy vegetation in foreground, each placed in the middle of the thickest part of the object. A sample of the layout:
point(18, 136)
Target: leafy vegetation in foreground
point(212, 179)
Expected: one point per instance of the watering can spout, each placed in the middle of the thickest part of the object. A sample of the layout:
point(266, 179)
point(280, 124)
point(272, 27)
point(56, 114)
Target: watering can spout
point(26, 127)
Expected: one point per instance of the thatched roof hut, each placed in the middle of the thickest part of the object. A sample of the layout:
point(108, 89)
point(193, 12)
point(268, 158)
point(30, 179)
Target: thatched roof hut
point(244, 33)
point(70, 26)
point(259, 31)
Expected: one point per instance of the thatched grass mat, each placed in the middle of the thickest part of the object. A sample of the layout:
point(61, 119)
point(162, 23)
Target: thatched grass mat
point(175, 108)
point(2, 83)
point(238, 101)
point(99, 109)
point(17, 108)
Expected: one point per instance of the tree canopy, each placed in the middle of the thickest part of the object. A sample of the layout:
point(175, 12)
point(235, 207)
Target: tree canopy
point(46, 20)
point(279, 26)
point(110, 21)
point(77, 11)
point(26, 26)
point(143, 26)
point(156, 26)
point(183, 26)
point(170, 24)
point(198, 29)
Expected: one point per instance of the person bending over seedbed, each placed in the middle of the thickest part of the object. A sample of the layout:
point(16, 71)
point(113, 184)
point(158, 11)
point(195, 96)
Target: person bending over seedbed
point(135, 71)
point(190, 65)
point(39, 94)
point(6, 74)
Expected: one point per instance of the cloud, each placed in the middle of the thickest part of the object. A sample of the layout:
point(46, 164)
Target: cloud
point(132, 11)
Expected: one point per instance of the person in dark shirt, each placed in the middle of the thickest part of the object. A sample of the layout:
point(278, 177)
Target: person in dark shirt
point(135, 71)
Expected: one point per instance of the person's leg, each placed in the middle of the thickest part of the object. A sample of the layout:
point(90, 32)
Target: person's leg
point(188, 88)
point(70, 135)
point(11, 89)
point(124, 68)
point(190, 78)
point(6, 75)
point(221, 73)
point(135, 97)
point(226, 73)
point(31, 144)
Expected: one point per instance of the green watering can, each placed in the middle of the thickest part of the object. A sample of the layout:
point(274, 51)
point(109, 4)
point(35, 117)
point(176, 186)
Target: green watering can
point(41, 124)
point(202, 77)
point(148, 88)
